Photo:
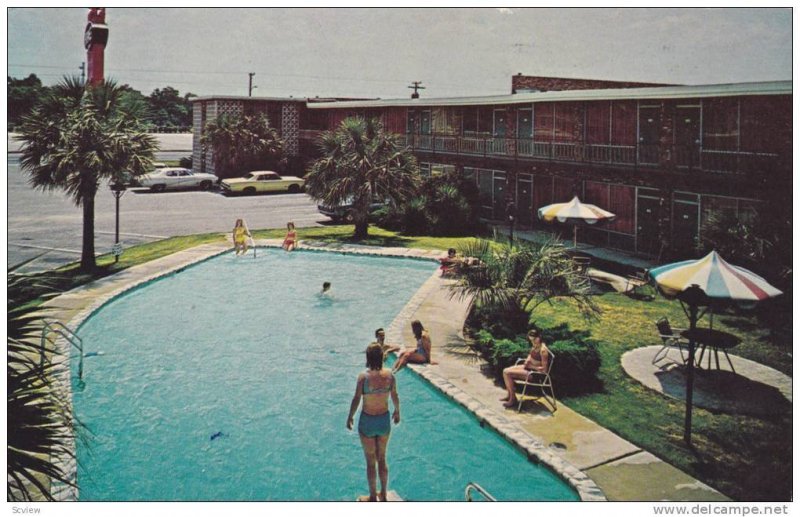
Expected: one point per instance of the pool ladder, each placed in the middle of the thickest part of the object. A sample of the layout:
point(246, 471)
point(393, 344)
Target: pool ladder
point(65, 332)
point(476, 487)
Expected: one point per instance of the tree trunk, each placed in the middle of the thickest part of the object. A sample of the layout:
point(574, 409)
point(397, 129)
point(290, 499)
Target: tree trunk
point(88, 263)
point(362, 229)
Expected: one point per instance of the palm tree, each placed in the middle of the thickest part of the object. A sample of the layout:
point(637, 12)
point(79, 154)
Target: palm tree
point(77, 137)
point(515, 280)
point(241, 143)
point(361, 162)
point(40, 424)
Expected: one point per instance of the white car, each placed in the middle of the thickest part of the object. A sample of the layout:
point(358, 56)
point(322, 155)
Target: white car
point(175, 178)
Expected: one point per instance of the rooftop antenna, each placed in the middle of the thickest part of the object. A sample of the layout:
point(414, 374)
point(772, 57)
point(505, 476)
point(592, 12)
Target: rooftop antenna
point(416, 86)
point(250, 84)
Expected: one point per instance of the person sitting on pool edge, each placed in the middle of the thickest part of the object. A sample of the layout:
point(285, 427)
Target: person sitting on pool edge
point(380, 338)
point(419, 355)
point(240, 234)
point(375, 386)
point(290, 241)
point(449, 264)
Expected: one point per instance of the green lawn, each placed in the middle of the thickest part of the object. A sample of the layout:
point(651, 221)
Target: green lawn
point(745, 457)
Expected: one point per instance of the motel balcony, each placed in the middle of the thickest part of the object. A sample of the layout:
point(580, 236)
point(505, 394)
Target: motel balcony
point(693, 157)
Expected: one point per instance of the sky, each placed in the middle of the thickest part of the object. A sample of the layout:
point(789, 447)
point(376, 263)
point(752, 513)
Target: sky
point(378, 52)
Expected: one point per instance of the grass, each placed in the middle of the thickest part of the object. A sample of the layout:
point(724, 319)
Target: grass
point(745, 457)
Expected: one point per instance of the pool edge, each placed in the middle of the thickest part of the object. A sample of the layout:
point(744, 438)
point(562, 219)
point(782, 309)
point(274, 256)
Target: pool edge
point(137, 276)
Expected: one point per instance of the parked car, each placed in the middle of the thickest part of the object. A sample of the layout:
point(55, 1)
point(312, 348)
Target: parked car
point(262, 181)
point(344, 211)
point(175, 178)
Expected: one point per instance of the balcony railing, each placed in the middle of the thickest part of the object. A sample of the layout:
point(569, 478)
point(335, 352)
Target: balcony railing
point(643, 155)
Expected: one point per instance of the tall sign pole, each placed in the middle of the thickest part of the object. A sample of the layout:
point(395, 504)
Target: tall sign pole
point(95, 38)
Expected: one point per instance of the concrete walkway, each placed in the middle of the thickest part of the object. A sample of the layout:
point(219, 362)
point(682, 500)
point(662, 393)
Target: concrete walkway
point(596, 462)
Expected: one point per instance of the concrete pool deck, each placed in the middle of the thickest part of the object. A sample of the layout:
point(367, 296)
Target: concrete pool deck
point(596, 462)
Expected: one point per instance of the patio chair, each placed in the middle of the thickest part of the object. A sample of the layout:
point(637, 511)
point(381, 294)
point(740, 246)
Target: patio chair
point(539, 380)
point(670, 338)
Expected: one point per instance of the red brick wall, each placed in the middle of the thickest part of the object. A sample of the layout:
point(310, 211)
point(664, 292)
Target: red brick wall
point(560, 83)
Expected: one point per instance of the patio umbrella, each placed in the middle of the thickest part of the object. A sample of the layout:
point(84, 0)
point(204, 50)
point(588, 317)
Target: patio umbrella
point(574, 212)
point(697, 283)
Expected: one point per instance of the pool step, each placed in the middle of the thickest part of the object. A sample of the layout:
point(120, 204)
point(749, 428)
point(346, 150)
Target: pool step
point(391, 496)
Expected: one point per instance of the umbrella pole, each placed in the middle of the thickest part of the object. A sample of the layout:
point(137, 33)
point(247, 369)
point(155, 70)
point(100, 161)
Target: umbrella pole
point(575, 236)
point(687, 424)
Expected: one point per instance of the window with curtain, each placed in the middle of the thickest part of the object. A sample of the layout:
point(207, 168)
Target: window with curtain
point(720, 124)
point(565, 121)
point(470, 121)
point(543, 122)
point(623, 123)
point(598, 118)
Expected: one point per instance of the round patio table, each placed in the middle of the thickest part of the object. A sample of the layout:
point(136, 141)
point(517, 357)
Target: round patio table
point(716, 340)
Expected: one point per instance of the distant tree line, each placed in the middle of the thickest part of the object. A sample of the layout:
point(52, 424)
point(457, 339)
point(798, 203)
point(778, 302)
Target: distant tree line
point(164, 108)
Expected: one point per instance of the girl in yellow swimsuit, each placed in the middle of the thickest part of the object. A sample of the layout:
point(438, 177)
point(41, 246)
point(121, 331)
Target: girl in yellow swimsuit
point(290, 241)
point(240, 234)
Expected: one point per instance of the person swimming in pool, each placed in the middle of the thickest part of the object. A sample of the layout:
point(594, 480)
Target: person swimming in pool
point(421, 354)
point(290, 241)
point(375, 386)
point(380, 338)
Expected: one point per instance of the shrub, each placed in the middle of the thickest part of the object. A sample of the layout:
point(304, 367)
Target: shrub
point(576, 362)
point(185, 162)
point(414, 216)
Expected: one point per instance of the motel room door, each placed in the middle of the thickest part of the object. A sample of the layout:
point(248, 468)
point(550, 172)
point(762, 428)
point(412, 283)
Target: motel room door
point(524, 199)
point(647, 213)
point(685, 221)
point(687, 136)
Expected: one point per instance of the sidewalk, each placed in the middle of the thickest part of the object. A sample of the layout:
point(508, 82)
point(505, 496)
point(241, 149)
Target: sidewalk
point(601, 254)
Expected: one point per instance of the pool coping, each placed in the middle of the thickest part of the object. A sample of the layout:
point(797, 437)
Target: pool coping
point(98, 293)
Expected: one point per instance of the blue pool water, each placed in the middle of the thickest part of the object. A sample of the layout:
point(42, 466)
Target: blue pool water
point(232, 380)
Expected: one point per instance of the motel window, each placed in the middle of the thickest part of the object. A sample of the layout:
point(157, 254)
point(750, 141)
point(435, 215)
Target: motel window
point(543, 121)
point(765, 123)
point(623, 123)
point(721, 124)
point(598, 123)
point(565, 120)
point(437, 169)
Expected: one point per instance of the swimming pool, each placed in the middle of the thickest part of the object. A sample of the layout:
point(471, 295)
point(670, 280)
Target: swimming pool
point(232, 379)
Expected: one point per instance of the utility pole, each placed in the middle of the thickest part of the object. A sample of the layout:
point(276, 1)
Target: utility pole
point(82, 68)
point(250, 84)
point(416, 86)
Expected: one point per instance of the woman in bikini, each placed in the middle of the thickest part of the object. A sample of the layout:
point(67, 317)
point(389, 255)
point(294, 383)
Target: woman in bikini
point(375, 386)
point(421, 354)
point(536, 361)
point(240, 235)
point(290, 241)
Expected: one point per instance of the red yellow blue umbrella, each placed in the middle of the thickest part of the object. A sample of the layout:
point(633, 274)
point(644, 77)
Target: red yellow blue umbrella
point(716, 277)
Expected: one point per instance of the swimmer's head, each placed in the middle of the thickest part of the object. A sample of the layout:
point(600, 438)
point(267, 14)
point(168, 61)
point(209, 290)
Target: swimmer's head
point(374, 356)
point(380, 333)
point(325, 286)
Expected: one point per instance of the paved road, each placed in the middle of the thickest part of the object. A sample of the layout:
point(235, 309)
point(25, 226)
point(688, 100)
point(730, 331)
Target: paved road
point(50, 223)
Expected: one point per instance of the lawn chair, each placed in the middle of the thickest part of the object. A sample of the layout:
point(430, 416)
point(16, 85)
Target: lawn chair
point(670, 338)
point(539, 380)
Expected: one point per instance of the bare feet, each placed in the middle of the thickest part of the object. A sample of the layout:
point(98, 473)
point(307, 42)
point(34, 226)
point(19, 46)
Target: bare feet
point(365, 499)
point(511, 403)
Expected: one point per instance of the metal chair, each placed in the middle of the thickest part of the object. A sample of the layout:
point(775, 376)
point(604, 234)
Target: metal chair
point(536, 379)
point(670, 338)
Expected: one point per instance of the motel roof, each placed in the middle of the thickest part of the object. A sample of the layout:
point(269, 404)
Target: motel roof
point(658, 92)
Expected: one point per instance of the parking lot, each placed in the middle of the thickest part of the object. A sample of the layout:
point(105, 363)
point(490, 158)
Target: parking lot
point(50, 223)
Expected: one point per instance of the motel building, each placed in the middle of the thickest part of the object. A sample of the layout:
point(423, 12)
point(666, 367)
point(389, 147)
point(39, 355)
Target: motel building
point(661, 157)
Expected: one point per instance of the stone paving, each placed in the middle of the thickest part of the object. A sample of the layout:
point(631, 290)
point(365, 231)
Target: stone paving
point(596, 462)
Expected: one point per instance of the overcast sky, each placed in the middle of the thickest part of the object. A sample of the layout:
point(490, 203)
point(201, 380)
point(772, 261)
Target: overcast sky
point(378, 52)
